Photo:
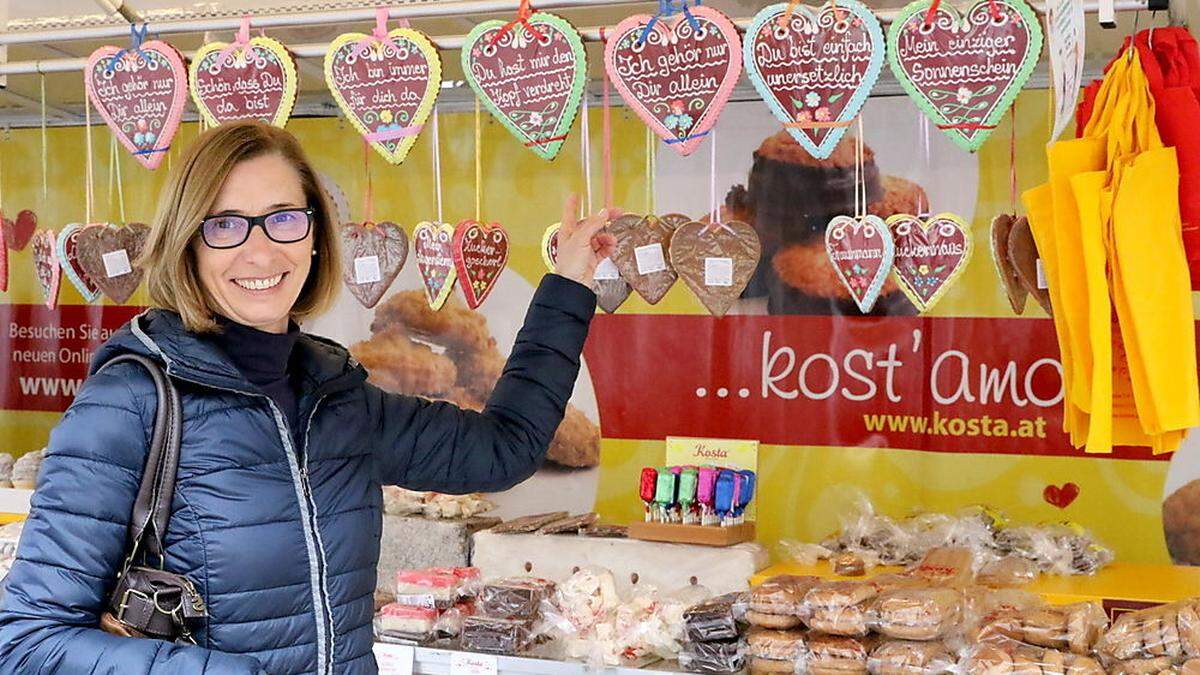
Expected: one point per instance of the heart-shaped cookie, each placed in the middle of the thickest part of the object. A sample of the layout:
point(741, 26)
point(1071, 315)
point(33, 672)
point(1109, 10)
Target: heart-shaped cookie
point(480, 255)
point(108, 253)
point(642, 254)
point(861, 251)
point(253, 80)
point(611, 290)
point(964, 70)
point(530, 76)
point(66, 248)
point(372, 255)
point(815, 68)
point(930, 254)
point(1023, 254)
point(678, 75)
point(140, 94)
point(433, 248)
point(385, 88)
point(716, 261)
point(550, 246)
point(1002, 225)
point(45, 265)
point(17, 233)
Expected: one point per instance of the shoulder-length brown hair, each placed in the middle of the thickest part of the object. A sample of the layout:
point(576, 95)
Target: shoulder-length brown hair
point(189, 194)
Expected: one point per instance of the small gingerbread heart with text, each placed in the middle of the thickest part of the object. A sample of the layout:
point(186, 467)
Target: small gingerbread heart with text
point(861, 251)
point(433, 248)
point(372, 255)
point(45, 265)
point(67, 248)
point(930, 255)
point(480, 256)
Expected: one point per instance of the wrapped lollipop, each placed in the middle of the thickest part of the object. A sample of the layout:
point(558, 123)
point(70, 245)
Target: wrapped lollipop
point(725, 494)
point(706, 493)
point(646, 489)
point(687, 495)
point(664, 495)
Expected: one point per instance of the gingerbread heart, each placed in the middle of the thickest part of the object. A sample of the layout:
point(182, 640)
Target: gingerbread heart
point(140, 94)
point(716, 261)
point(861, 250)
point(433, 248)
point(1023, 254)
point(964, 70)
point(3, 261)
point(814, 67)
point(108, 253)
point(641, 255)
point(530, 76)
point(611, 290)
point(1017, 295)
point(930, 255)
point(45, 265)
point(550, 246)
point(372, 255)
point(18, 232)
point(251, 79)
point(386, 88)
point(678, 74)
point(480, 255)
point(66, 248)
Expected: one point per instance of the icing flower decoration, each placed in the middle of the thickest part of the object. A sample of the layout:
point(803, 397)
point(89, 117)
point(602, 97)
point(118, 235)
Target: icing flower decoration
point(535, 118)
point(923, 269)
point(823, 114)
point(678, 119)
point(804, 116)
point(963, 96)
point(812, 99)
point(386, 116)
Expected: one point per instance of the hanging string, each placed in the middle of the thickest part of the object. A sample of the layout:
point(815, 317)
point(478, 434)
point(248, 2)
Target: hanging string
point(112, 160)
point(606, 141)
point(437, 166)
point(45, 160)
point(860, 185)
point(478, 163)
point(523, 13)
point(368, 196)
point(649, 172)
point(87, 183)
point(1012, 161)
point(586, 150)
point(712, 177)
point(120, 189)
point(922, 201)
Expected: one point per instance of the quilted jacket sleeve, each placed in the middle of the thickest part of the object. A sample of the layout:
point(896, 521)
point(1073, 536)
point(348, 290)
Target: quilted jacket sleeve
point(74, 540)
point(426, 445)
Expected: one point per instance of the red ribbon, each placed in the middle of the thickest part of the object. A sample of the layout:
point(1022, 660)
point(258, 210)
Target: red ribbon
point(243, 39)
point(523, 12)
point(966, 126)
point(543, 141)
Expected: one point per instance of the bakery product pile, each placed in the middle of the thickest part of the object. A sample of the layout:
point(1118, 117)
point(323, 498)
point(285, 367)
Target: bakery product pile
point(451, 355)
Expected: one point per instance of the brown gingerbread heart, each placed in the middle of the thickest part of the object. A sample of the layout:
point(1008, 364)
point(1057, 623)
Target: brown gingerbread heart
point(109, 253)
point(372, 255)
point(1023, 254)
point(641, 254)
point(1002, 225)
point(716, 261)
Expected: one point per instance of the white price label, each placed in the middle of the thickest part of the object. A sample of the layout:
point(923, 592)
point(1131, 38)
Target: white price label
point(366, 269)
point(718, 271)
point(394, 659)
point(466, 663)
point(606, 270)
point(116, 263)
point(1041, 275)
point(650, 259)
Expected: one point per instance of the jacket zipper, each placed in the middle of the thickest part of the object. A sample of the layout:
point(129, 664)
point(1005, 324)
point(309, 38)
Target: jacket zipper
point(312, 504)
point(307, 512)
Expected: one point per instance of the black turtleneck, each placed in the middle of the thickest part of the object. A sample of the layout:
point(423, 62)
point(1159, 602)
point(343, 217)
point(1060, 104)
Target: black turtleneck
point(262, 358)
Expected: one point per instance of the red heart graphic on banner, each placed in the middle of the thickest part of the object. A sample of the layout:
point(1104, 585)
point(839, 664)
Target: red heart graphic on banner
point(1063, 496)
point(140, 94)
point(678, 75)
point(45, 265)
point(255, 80)
point(433, 247)
point(17, 233)
point(861, 251)
point(372, 255)
point(930, 255)
point(480, 255)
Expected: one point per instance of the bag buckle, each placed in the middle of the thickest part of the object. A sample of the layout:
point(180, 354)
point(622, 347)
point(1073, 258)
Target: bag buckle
point(120, 614)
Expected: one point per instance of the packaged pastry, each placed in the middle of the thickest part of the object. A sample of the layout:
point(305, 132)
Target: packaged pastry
point(775, 651)
point(513, 597)
point(585, 598)
point(406, 622)
point(945, 566)
point(1190, 667)
point(849, 564)
point(1007, 572)
point(724, 656)
point(495, 636)
point(449, 623)
point(1075, 628)
point(1063, 549)
point(840, 607)
point(25, 470)
point(836, 655)
point(778, 601)
point(714, 619)
point(6, 470)
point(1168, 631)
point(907, 657)
point(1010, 657)
point(1154, 666)
point(429, 588)
point(917, 613)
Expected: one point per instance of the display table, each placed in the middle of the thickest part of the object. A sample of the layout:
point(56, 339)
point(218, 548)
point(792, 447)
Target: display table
point(438, 661)
point(14, 504)
point(1118, 586)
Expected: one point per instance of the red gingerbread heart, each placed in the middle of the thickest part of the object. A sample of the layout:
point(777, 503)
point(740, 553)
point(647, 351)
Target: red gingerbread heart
point(45, 265)
point(433, 247)
point(930, 254)
point(18, 232)
point(861, 251)
point(1063, 496)
point(480, 255)
point(372, 256)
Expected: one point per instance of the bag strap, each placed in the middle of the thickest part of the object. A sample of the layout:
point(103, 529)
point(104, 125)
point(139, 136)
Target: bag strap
point(152, 507)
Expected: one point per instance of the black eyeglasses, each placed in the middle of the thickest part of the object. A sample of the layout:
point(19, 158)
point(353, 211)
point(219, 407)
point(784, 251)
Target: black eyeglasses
point(285, 226)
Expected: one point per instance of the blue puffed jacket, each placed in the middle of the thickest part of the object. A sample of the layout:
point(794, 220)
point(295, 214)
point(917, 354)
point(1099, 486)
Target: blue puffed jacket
point(279, 528)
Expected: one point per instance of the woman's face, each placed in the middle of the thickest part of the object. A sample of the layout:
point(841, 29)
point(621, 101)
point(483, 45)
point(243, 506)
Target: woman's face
point(257, 283)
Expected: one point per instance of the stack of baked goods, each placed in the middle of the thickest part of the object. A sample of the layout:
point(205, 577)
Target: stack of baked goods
point(507, 612)
point(428, 604)
point(776, 643)
point(713, 635)
point(1156, 640)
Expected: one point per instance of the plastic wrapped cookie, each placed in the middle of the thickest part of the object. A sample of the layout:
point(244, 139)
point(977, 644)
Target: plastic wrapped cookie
point(917, 613)
point(778, 601)
point(908, 657)
point(840, 607)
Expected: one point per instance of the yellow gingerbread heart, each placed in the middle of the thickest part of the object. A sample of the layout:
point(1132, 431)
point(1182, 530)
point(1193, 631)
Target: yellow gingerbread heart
point(251, 78)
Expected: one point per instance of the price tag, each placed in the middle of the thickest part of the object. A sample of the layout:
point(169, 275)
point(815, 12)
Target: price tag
point(718, 271)
point(116, 263)
point(394, 659)
point(466, 663)
point(366, 269)
point(650, 259)
point(1041, 275)
point(606, 270)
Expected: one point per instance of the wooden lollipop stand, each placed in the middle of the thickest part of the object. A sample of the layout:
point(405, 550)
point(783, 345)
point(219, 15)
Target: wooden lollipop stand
point(705, 535)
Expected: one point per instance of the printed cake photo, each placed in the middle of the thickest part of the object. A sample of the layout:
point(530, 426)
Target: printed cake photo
point(789, 198)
